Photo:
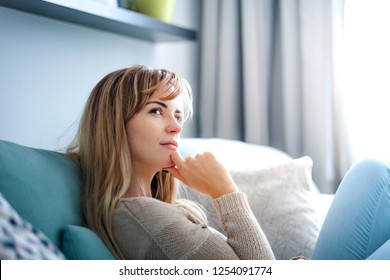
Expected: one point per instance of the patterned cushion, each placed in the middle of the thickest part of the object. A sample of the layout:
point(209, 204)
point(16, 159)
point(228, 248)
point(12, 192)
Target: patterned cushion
point(19, 240)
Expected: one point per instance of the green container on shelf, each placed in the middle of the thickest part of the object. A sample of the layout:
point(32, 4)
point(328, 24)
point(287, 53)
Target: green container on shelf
point(159, 9)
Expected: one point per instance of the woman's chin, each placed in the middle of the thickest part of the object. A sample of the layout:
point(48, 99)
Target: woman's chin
point(168, 164)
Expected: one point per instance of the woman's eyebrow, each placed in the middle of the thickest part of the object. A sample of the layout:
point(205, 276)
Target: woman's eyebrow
point(162, 104)
point(159, 103)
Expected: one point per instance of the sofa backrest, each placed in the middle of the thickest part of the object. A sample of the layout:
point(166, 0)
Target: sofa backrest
point(45, 189)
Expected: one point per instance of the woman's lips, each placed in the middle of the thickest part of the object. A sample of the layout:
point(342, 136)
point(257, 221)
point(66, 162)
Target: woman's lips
point(172, 145)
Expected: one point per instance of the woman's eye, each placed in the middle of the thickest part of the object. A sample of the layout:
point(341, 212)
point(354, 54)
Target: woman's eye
point(156, 111)
point(179, 118)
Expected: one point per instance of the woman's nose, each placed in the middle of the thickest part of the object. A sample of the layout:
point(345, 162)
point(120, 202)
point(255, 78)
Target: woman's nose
point(174, 125)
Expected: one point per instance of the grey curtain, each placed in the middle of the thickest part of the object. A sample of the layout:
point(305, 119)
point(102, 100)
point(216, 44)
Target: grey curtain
point(269, 75)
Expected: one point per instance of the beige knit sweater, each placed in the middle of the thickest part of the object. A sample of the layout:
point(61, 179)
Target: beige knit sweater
point(146, 228)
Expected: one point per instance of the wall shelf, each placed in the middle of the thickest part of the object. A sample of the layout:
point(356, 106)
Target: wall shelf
point(113, 19)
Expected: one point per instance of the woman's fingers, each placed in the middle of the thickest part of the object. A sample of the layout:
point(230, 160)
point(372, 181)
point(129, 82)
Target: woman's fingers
point(179, 170)
point(202, 172)
point(175, 173)
point(177, 158)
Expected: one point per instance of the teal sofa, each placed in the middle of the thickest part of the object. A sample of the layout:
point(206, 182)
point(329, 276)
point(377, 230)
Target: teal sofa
point(45, 189)
point(41, 192)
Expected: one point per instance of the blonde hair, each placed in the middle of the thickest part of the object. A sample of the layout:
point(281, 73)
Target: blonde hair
point(101, 146)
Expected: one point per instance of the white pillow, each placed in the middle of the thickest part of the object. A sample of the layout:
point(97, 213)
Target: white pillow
point(280, 199)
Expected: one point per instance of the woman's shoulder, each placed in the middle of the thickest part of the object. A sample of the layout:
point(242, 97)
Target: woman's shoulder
point(138, 199)
point(152, 210)
point(137, 205)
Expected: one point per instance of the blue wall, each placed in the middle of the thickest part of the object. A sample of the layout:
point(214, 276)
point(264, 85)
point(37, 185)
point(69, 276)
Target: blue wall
point(48, 68)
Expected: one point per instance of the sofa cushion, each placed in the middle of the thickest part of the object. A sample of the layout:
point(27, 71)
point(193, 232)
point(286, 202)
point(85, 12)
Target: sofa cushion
point(280, 198)
point(19, 240)
point(81, 243)
point(44, 187)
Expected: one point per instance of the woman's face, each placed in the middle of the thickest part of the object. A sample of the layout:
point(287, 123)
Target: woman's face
point(154, 133)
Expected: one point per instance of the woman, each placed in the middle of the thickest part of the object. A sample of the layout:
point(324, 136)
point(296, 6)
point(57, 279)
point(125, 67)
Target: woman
point(127, 149)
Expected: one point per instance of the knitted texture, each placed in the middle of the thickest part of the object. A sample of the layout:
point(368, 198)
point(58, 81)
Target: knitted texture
point(146, 228)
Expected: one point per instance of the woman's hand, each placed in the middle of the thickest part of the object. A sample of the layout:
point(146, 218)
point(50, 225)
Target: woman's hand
point(203, 173)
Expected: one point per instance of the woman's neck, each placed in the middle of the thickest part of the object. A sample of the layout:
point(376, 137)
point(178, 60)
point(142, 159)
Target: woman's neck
point(140, 184)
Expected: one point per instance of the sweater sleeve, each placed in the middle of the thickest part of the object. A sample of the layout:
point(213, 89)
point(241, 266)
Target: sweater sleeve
point(146, 228)
point(243, 231)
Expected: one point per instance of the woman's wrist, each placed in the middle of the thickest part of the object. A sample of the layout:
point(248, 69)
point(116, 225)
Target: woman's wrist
point(224, 190)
